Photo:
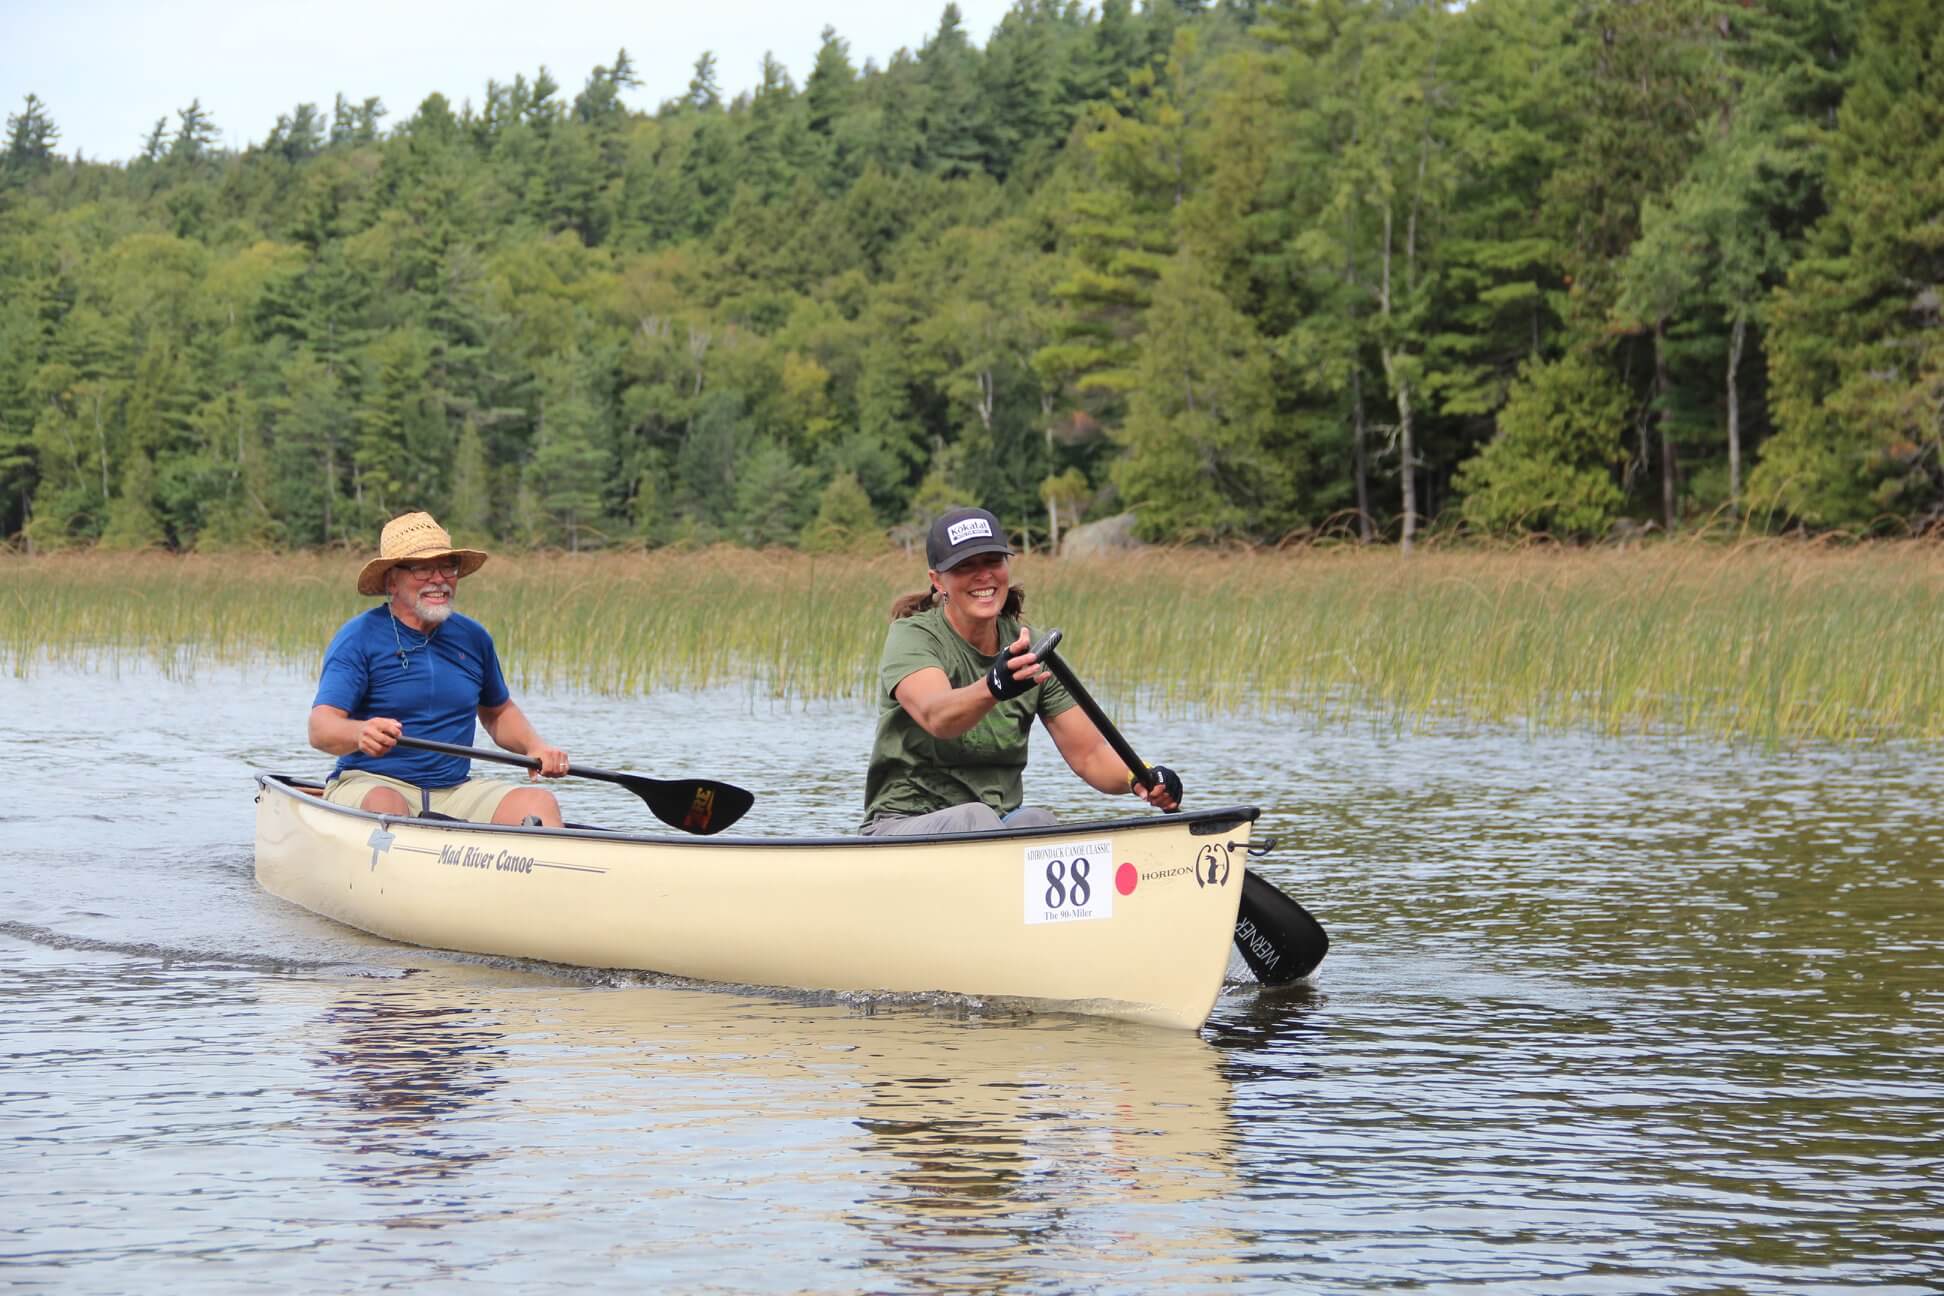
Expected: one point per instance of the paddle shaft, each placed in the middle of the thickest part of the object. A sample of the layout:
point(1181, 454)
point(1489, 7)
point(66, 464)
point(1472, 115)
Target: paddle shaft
point(1064, 673)
point(508, 758)
point(699, 806)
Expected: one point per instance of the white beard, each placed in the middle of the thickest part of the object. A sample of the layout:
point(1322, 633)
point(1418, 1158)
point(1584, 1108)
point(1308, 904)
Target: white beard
point(432, 613)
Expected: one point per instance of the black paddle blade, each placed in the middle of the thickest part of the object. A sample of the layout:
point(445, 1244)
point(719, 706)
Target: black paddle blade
point(700, 806)
point(1277, 937)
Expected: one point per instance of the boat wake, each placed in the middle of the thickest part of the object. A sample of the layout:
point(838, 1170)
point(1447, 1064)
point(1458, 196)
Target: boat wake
point(179, 956)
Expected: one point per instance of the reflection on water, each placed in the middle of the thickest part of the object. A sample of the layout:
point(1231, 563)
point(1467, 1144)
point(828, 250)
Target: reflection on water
point(947, 1153)
point(1001, 1146)
point(401, 1063)
point(1599, 1016)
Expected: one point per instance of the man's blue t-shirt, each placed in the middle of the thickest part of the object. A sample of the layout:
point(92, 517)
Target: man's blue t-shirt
point(435, 690)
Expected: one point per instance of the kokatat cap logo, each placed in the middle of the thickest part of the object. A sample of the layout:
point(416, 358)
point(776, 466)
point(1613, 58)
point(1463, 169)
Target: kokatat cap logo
point(968, 529)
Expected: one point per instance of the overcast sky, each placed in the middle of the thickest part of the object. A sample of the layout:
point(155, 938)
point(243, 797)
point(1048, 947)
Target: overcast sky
point(106, 69)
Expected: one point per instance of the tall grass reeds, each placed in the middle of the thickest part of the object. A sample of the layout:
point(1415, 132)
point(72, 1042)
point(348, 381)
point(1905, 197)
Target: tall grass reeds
point(1771, 641)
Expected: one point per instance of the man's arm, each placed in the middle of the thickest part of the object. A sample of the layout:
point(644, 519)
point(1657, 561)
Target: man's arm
point(332, 730)
point(511, 729)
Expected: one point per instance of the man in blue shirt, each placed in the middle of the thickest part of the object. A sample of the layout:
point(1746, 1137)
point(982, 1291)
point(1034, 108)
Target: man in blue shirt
point(414, 666)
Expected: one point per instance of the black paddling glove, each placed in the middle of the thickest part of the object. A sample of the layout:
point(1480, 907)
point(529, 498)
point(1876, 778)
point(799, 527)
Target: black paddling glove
point(1000, 680)
point(1169, 781)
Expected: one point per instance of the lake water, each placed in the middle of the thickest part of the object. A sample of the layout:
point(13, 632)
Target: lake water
point(1600, 1017)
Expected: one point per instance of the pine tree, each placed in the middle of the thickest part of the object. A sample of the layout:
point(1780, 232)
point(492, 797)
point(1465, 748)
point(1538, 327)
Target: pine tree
point(1857, 334)
point(1206, 455)
point(952, 119)
point(31, 135)
point(845, 521)
point(195, 136)
point(569, 463)
point(1553, 464)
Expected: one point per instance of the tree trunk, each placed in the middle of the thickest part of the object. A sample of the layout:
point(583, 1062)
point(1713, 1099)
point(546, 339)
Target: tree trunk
point(1669, 467)
point(1401, 393)
point(1736, 337)
point(101, 447)
point(1360, 455)
point(698, 345)
point(1406, 456)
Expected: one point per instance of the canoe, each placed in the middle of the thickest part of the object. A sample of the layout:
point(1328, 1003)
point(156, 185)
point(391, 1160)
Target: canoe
point(1128, 918)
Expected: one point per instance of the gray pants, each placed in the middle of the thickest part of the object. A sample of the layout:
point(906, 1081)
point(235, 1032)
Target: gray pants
point(974, 816)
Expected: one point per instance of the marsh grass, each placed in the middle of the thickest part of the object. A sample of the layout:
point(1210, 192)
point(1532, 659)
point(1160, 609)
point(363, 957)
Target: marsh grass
point(1773, 642)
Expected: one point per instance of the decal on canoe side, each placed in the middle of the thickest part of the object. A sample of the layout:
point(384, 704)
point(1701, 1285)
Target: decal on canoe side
point(487, 859)
point(1212, 865)
point(1069, 881)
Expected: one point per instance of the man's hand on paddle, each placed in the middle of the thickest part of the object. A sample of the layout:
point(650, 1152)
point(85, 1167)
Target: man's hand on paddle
point(378, 735)
point(553, 761)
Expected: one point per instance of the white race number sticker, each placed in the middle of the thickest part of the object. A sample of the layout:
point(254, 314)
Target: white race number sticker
point(1069, 881)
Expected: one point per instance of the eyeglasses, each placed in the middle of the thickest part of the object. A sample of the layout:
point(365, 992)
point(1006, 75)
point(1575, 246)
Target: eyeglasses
point(447, 567)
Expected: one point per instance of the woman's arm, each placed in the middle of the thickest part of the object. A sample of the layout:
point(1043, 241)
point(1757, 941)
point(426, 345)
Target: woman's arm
point(942, 711)
point(1093, 759)
point(939, 709)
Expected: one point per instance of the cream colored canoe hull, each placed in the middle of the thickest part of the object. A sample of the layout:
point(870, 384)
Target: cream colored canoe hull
point(1130, 918)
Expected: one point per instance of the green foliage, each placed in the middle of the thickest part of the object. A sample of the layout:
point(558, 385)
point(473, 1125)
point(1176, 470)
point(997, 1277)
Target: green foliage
point(569, 464)
point(845, 522)
point(1551, 467)
point(1245, 265)
point(937, 493)
point(769, 496)
point(1857, 351)
point(1205, 454)
point(31, 136)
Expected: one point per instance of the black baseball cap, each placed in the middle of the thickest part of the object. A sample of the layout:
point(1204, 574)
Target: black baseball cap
point(961, 533)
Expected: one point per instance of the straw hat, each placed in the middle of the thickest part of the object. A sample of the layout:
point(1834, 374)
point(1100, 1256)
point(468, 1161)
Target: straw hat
point(410, 538)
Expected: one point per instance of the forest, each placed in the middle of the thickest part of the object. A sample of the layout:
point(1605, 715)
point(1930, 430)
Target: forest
point(1255, 271)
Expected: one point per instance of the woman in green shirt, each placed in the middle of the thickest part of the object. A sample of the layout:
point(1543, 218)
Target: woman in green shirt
point(955, 713)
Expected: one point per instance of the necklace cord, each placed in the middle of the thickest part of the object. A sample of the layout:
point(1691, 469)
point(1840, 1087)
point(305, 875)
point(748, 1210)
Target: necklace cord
point(404, 653)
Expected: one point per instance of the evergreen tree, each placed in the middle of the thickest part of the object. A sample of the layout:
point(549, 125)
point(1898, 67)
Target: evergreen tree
point(311, 421)
point(952, 120)
point(845, 522)
point(569, 464)
point(1560, 444)
point(297, 135)
point(770, 499)
point(830, 87)
point(195, 136)
point(1857, 338)
point(31, 135)
point(1206, 455)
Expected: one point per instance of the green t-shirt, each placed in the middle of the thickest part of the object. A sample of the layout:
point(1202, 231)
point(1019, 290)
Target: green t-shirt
point(914, 773)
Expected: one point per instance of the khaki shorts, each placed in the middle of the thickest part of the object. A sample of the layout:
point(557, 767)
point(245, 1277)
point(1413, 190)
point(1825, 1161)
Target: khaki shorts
point(475, 799)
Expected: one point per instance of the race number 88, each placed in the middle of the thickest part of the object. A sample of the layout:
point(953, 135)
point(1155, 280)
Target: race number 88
point(1064, 884)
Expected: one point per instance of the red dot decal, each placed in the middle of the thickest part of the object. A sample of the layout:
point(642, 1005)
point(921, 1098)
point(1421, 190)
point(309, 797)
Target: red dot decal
point(1125, 879)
